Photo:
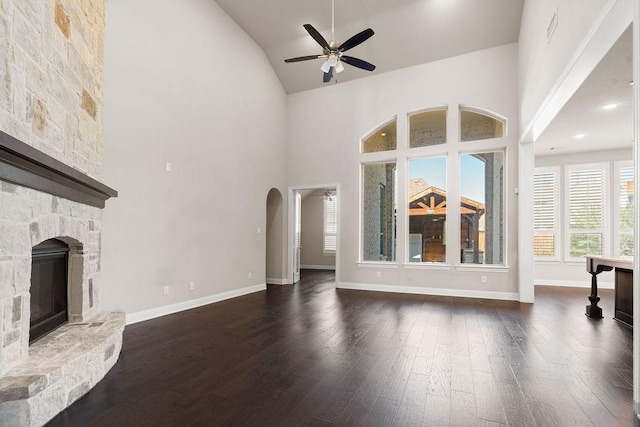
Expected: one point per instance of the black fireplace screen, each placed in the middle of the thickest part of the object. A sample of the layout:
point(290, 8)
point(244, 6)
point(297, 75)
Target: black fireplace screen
point(50, 261)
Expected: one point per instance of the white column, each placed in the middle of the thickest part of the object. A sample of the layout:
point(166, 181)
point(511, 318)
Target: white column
point(526, 266)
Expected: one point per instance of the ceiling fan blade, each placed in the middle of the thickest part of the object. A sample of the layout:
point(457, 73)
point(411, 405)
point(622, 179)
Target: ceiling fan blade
point(327, 76)
point(317, 36)
point(303, 58)
point(356, 40)
point(359, 63)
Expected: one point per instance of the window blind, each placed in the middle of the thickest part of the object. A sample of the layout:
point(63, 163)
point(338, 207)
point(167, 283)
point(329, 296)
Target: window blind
point(544, 214)
point(330, 225)
point(586, 212)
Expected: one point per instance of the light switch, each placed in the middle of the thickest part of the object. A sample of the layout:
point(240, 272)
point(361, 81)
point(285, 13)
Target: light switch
point(167, 167)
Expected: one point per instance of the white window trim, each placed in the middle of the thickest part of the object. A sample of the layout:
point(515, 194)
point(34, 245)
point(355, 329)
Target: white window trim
point(453, 148)
point(557, 214)
point(605, 230)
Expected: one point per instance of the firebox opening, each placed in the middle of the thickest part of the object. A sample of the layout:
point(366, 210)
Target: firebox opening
point(49, 272)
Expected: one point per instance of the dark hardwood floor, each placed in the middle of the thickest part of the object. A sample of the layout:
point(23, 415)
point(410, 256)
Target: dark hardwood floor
point(313, 355)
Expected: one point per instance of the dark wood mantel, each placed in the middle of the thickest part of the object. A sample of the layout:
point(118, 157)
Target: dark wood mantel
point(24, 165)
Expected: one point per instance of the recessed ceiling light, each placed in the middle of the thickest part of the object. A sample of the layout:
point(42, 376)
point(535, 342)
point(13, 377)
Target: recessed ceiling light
point(609, 106)
point(579, 136)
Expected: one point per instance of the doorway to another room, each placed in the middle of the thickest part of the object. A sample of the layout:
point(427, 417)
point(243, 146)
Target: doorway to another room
point(314, 229)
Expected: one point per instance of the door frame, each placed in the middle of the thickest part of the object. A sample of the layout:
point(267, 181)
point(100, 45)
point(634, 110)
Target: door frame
point(291, 226)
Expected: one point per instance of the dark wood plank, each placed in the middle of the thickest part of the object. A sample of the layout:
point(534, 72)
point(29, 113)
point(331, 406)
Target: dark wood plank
point(311, 354)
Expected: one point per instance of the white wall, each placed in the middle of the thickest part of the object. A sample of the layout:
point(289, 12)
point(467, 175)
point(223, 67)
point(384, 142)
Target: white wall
point(312, 233)
point(320, 153)
point(184, 84)
point(542, 63)
point(572, 273)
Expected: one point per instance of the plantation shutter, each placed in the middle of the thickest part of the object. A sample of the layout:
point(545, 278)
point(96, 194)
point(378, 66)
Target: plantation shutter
point(544, 214)
point(586, 212)
point(298, 215)
point(330, 225)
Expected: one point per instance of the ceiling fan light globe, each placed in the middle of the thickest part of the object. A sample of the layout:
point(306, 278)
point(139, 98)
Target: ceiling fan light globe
point(339, 67)
point(333, 60)
point(325, 66)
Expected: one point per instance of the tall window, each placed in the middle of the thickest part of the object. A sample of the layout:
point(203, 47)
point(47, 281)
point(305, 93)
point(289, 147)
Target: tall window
point(545, 206)
point(625, 210)
point(379, 216)
point(481, 208)
point(330, 222)
point(424, 152)
point(427, 193)
point(586, 210)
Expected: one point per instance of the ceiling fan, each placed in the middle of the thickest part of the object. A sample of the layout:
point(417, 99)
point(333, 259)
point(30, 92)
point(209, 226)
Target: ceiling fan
point(333, 52)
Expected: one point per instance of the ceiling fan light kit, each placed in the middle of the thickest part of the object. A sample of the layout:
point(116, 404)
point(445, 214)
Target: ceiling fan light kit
point(332, 52)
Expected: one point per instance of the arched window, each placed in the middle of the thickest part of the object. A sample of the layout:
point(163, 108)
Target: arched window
point(449, 206)
point(428, 128)
point(478, 124)
point(384, 138)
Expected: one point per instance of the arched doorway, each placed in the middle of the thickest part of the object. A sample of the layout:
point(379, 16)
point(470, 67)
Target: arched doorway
point(275, 272)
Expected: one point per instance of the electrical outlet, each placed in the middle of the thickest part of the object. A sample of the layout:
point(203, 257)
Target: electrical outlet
point(192, 286)
point(483, 279)
point(250, 275)
point(378, 274)
point(165, 290)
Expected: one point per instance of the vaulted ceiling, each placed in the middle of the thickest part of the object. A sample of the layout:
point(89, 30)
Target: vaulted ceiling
point(412, 32)
point(407, 32)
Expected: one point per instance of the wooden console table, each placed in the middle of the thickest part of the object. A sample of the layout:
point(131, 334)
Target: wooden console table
point(623, 284)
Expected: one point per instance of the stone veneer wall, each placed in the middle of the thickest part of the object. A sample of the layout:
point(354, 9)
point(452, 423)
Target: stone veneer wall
point(51, 97)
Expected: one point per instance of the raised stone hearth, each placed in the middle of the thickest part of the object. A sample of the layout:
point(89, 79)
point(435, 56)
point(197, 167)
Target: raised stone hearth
point(61, 367)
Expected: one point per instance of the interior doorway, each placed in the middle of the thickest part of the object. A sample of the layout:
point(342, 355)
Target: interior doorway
point(314, 229)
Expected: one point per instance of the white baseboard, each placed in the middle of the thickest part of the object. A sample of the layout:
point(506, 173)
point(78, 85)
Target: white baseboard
point(466, 293)
point(152, 313)
point(271, 281)
point(317, 267)
point(573, 284)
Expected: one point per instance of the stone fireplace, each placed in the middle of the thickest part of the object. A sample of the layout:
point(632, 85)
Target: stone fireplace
point(51, 150)
point(37, 381)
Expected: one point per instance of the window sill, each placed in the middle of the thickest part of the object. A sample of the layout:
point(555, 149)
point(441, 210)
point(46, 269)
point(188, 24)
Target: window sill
point(377, 264)
point(483, 267)
point(546, 261)
point(426, 266)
